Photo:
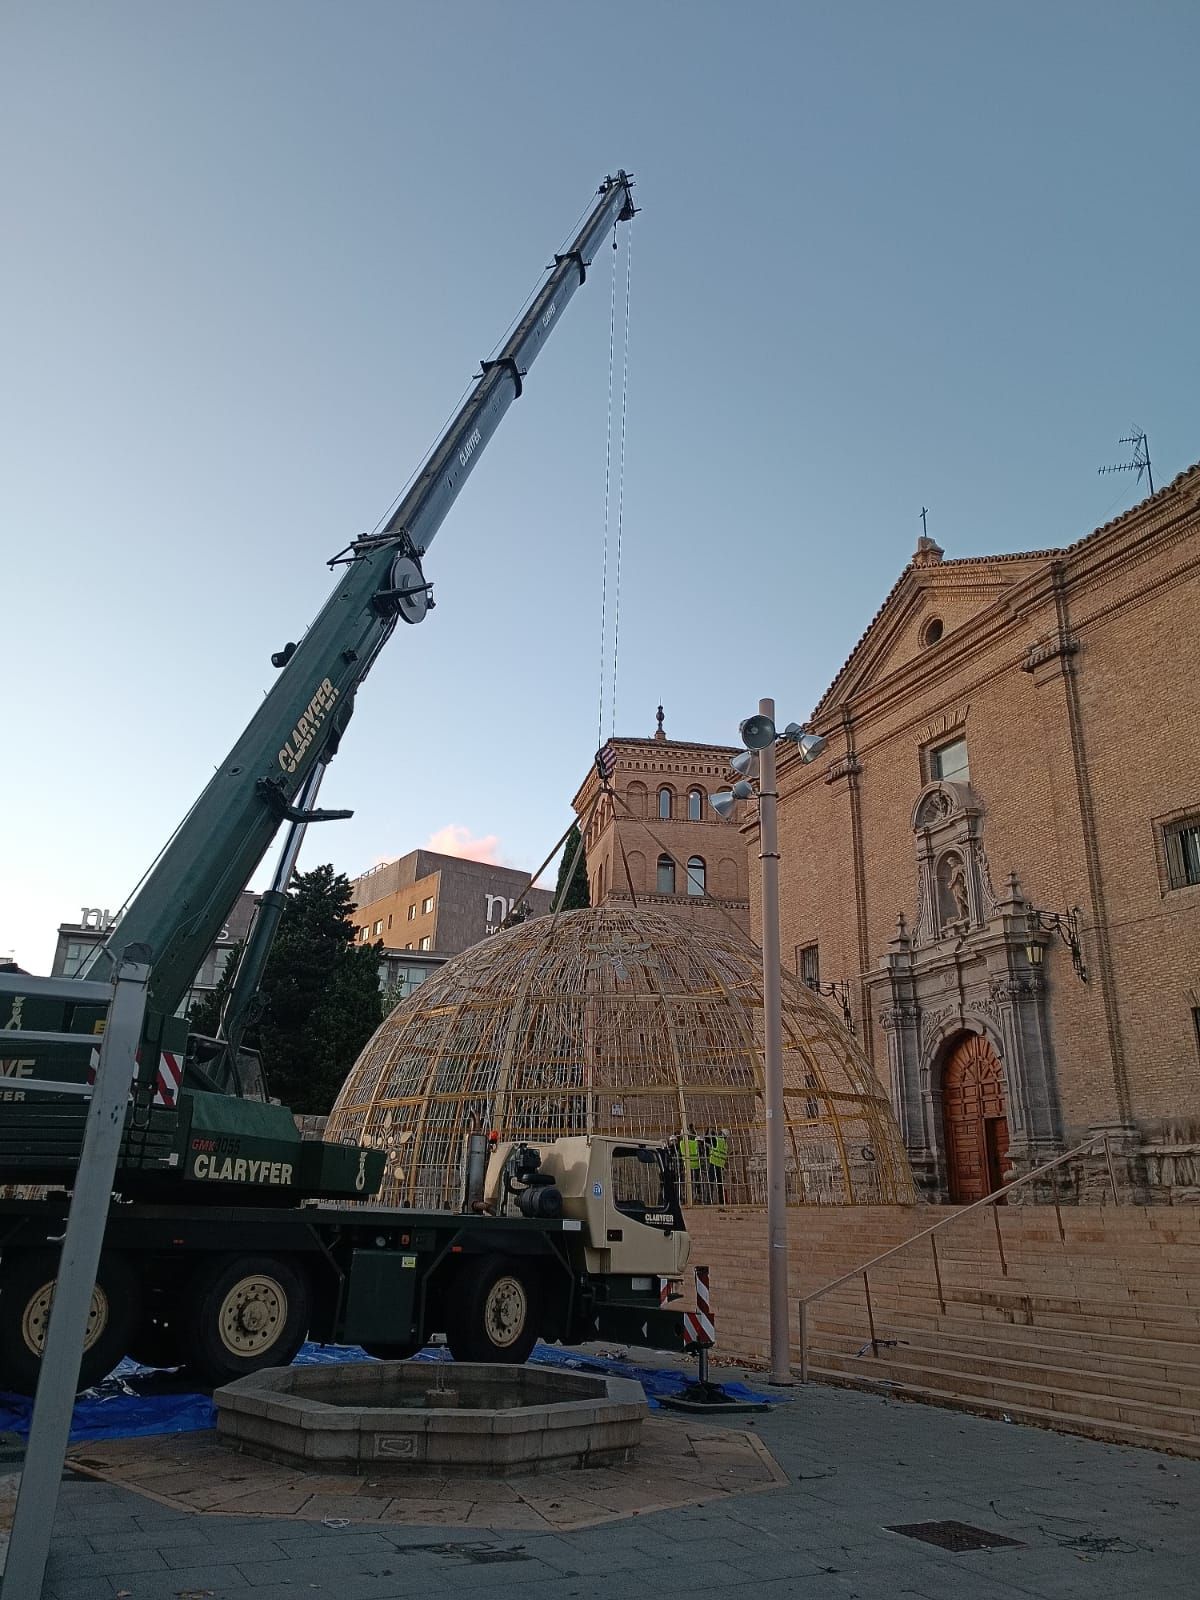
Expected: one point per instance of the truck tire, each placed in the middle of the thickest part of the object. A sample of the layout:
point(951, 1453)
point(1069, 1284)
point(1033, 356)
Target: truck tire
point(242, 1313)
point(27, 1281)
point(493, 1310)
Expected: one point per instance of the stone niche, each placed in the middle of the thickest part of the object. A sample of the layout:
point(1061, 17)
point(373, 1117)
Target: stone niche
point(453, 1418)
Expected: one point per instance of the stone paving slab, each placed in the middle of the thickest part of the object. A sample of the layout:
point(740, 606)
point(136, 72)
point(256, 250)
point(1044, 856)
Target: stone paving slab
point(676, 1465)
point(1092, 1521)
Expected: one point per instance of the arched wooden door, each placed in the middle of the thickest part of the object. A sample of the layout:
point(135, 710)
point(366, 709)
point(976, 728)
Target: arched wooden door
point(973, 1114)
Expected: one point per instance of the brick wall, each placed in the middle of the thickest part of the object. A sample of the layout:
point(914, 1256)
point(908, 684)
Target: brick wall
point(1138, 1264)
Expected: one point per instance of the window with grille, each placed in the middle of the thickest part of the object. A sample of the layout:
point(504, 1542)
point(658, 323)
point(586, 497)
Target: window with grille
point(1182, 842)
point(810, 965)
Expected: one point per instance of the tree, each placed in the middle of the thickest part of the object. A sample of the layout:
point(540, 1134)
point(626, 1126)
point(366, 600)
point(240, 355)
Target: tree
point(319, 1002)
point(577, 896)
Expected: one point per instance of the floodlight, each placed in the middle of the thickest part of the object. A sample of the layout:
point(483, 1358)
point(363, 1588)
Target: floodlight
point(809, 746)
point(722, 803)
point(757, 732)
point(742, 790)
point(745, 764)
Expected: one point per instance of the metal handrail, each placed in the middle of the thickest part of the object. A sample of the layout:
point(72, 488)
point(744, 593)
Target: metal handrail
point(926, 1233)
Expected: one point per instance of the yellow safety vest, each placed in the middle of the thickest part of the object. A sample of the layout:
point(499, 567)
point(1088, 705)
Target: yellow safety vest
point(719, 1152)
point(691, 1149)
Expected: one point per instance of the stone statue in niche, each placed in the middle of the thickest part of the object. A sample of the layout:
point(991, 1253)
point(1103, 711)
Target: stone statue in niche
point(954, 906)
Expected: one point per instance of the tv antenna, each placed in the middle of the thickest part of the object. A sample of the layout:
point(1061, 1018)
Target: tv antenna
point(1141, 457)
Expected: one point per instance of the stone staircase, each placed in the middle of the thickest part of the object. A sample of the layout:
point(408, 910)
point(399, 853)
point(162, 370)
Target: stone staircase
point(1089, 1324)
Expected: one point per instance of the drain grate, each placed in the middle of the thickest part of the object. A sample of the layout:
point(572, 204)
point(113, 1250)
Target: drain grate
point(956, 1536)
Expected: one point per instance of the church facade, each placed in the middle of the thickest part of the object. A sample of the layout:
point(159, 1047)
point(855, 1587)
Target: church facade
point(998, 853)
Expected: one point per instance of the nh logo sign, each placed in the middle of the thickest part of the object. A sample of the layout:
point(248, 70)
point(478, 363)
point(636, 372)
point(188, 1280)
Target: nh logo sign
point(498, 907)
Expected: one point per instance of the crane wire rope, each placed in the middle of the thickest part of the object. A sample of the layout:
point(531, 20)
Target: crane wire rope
point(608, 443)
point(609, 538)
point(612, 707)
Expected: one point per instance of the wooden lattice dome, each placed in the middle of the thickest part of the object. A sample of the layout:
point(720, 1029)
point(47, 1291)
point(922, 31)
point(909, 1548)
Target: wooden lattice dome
point(619, 1021)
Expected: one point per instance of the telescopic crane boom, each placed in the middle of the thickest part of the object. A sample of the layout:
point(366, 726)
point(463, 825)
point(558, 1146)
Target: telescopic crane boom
point(179, 909)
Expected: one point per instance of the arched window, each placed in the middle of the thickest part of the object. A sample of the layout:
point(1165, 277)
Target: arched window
point(666, 874)
point(664, 804)
point(695, 805)
point(695, 875)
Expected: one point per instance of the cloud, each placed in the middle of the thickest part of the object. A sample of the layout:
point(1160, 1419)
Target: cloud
point(455, 840)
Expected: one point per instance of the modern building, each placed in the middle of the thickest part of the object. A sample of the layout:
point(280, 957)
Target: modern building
point(77, 941)
point(426, 902)
point(999, 854)
point(654, 837)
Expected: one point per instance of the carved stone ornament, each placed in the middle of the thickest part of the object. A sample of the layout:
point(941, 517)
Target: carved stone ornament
point(935, 808)
point(892, 1017)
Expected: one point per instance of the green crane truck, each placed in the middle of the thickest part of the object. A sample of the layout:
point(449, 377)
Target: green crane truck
point(229, 1237)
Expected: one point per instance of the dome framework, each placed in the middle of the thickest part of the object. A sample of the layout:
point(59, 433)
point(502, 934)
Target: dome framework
point(618, 1021)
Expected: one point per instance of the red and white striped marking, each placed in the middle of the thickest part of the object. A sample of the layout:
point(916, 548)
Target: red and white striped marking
point(699, 1326)
point(170, 1076)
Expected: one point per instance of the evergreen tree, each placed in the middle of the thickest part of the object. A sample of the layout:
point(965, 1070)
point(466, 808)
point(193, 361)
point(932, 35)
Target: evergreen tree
point(319, 1002)
point(577, 896)
point(205, 1013)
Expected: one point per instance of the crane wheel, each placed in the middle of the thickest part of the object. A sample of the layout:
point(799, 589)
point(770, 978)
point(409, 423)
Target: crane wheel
point(242, 1313)
point(27, 1281)
point(493, 1310)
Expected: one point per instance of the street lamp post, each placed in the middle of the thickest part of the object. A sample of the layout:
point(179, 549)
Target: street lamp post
point(777, 1230)
point(759, 735)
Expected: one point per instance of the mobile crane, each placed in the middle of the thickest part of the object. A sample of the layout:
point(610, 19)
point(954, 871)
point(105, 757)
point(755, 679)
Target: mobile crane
point(215, 1252)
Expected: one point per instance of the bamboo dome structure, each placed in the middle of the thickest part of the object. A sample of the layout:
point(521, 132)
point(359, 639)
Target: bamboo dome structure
point(618, 1021)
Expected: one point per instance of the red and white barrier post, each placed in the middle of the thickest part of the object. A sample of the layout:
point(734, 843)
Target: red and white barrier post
point(699, 1326)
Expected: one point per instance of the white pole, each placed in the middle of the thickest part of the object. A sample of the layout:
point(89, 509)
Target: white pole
point(78, 1267)
point(777, 1242)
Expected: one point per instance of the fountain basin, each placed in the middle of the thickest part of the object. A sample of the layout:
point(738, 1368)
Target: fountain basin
point(372, 1416)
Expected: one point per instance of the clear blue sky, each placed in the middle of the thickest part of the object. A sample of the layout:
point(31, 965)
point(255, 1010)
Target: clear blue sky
point(890, 255)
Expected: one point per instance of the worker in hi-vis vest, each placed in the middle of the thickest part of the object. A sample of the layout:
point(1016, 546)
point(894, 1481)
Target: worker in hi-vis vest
point(718, 1154)
point(689, 1147)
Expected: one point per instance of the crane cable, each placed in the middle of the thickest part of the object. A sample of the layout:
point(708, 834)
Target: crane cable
point(608, 476)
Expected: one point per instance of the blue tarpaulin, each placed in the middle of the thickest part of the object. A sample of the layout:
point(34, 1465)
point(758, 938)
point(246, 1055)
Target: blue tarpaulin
point(142, 1400)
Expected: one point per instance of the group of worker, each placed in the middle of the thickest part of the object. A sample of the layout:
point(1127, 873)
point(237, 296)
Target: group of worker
point(700, 1160)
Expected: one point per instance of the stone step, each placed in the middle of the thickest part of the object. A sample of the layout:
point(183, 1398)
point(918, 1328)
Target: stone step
point(1007, 1394)
point(1181, 1444)
point(1158, 1318)
point(1149, 1382)
point(1107, 1352)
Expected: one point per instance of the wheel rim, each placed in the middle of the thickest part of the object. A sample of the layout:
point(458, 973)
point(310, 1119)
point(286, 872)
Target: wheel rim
point(252, 1315)
point(37, 1317)
point(506, 1312)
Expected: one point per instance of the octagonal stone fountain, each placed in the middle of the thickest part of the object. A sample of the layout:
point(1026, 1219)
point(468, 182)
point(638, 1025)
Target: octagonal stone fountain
point(465, 1417)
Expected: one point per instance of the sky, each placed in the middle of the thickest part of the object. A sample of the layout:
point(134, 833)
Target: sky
point(889, 256)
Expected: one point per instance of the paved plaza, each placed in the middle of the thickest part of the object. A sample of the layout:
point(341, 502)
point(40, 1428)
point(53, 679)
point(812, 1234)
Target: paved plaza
point(1078, 1518)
